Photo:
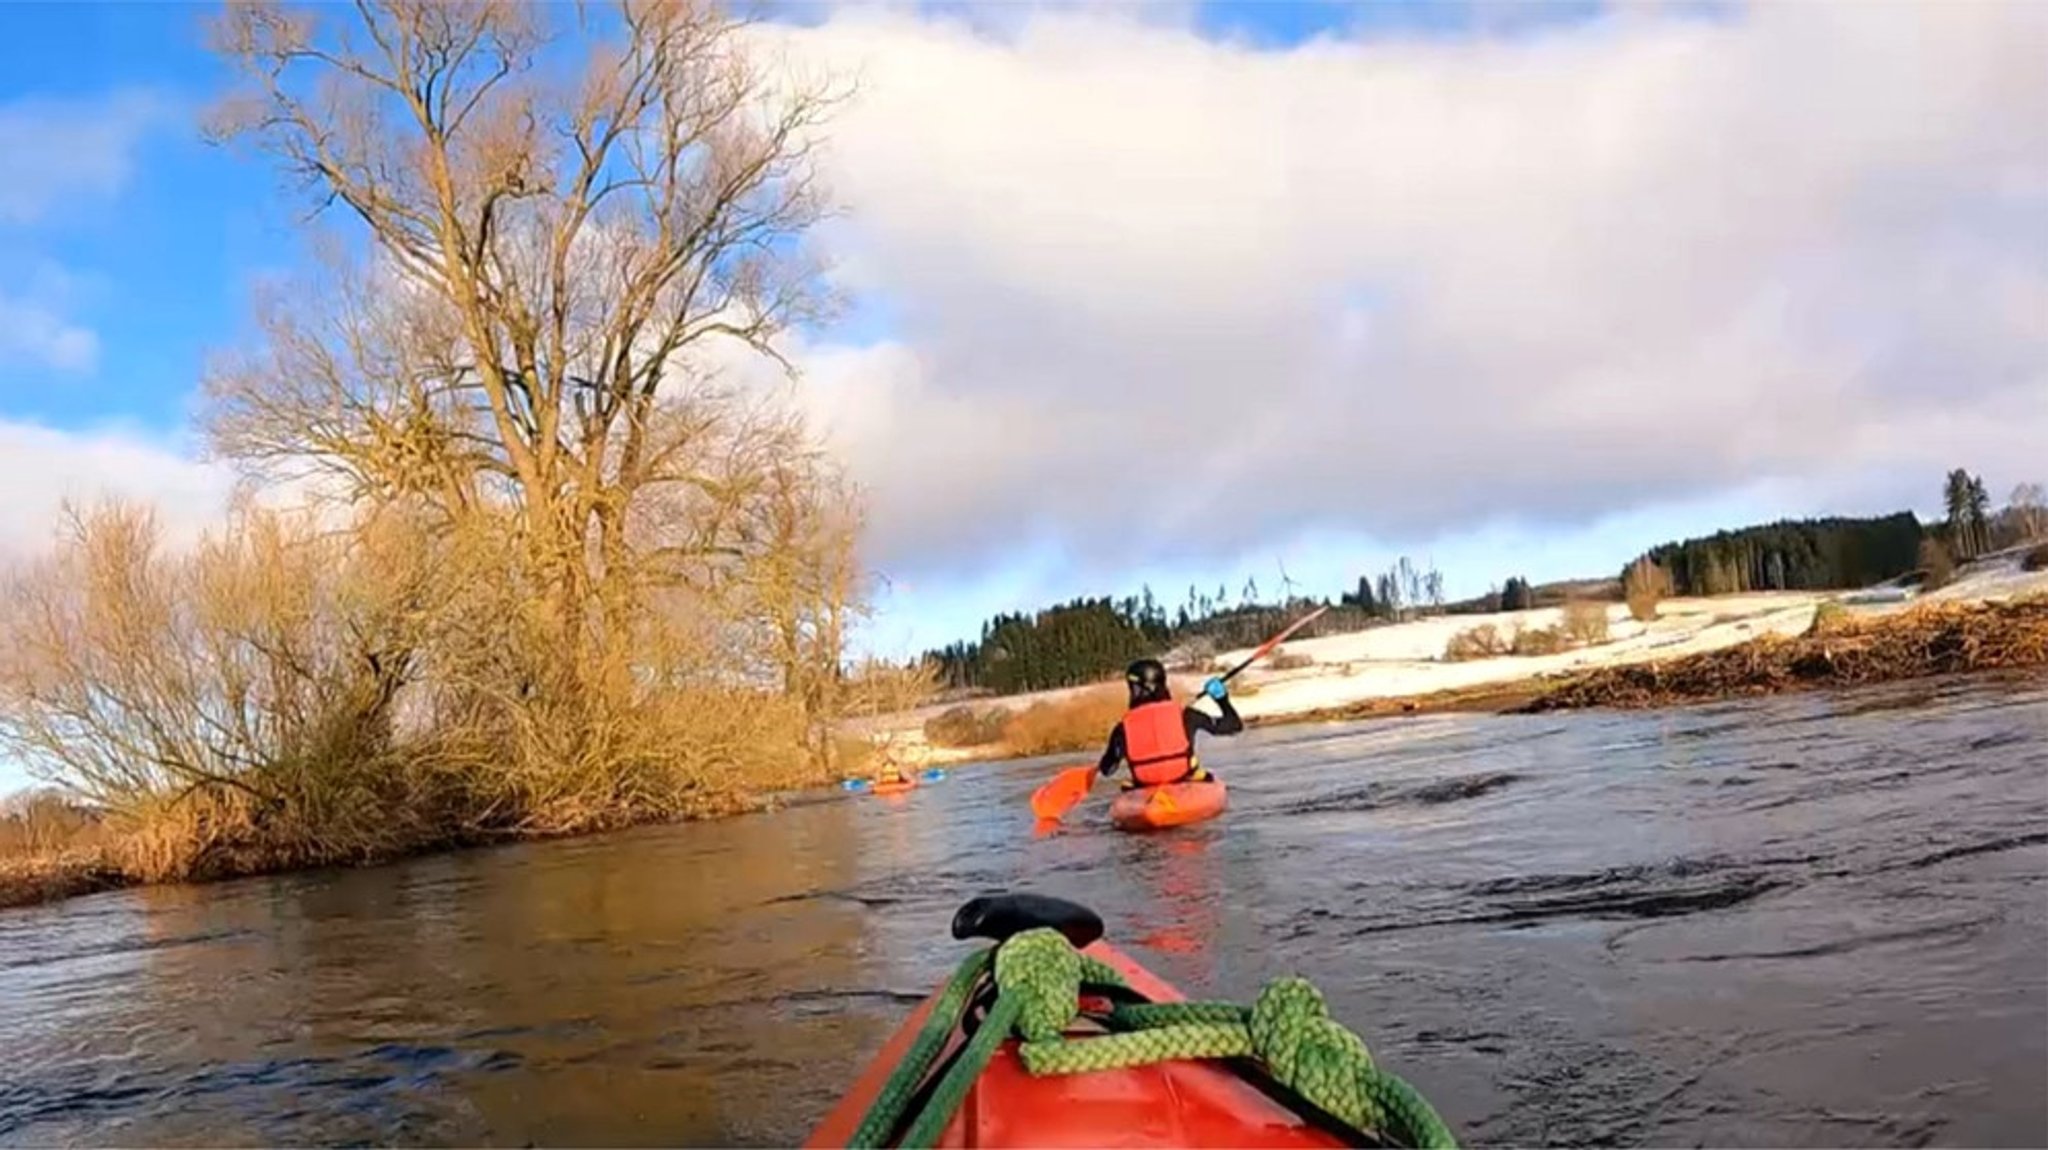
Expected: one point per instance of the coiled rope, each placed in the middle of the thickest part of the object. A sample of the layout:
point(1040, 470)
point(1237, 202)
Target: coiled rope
point(1039, 980)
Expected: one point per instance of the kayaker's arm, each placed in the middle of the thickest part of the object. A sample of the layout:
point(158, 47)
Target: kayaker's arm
point(1228, 723)
point(1113, 753)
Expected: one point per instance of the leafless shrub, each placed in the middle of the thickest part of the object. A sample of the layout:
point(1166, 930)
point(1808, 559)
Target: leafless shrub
point(1284, 660)
point(1480, 642)
point(1645, 586)
point(1530, 641)
point(1937, 564)
point(967, 726)
point(1584, 623)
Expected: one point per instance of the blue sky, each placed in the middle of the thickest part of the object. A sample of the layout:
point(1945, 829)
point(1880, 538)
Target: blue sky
point(1548, 221)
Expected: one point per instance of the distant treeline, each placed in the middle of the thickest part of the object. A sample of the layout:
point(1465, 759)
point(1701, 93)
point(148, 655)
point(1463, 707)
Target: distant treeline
point(1084, 640)
point(1794, 555)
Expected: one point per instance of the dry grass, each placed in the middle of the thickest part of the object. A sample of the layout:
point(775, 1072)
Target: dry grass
point(1079, 723)
point(46, 878)
point(51, 848)
point(43, 822)
point(967, 726)
point(1931, 639)
point(1830, 618)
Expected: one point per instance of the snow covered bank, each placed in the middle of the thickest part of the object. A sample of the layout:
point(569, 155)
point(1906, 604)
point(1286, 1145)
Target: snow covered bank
point(1406, 660)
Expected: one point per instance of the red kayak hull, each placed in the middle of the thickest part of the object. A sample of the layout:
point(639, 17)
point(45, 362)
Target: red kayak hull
point(893, 786)
point(1193, 1103)
point(1173, 805)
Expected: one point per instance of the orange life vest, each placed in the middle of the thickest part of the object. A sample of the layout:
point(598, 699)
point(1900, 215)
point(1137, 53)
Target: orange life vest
point(1156, 743)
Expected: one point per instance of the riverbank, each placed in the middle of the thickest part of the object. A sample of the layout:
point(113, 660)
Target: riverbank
point(111, 858)
point(1410, 668)
point(1695, 650)
point(1940, 638)
point(25, 882)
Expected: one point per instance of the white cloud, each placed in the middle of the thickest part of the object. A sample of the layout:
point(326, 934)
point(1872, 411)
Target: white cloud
point(36, 332)
point(42, 467)
point(1163, 298)
point(61, 150)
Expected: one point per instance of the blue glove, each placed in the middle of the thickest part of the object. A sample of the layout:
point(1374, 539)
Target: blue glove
point(1215, 689)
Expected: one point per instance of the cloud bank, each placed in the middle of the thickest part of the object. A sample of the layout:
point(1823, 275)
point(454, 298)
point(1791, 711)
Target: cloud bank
point(1167, 299)
point(43, 467)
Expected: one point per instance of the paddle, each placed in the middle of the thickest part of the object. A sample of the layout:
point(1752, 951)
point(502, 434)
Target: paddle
point(1052, 801)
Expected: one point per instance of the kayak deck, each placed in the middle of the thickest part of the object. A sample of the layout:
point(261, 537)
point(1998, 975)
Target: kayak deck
point(1182, 1103)
point(1171, 805)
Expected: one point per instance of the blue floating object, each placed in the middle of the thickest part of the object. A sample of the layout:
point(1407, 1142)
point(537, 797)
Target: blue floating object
point(855, 784)
point(932, 774)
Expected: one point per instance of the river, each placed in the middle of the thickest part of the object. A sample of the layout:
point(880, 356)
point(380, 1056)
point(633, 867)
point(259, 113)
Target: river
point(1814, 920)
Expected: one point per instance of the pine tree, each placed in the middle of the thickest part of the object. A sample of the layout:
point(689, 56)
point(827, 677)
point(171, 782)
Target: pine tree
point(1956, 502)
point(1979, 505)
point(1516, 595)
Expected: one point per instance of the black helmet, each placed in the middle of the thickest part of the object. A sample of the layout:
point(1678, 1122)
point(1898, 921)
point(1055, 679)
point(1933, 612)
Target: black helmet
point(1147, 681)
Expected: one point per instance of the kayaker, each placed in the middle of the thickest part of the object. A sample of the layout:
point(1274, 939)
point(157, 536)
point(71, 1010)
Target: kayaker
point(1157, 735)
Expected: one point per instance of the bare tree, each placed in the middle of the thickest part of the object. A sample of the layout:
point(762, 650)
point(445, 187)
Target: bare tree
point(562, 264)
point(1644, 586)
point(808, 589)
point(2029, 511)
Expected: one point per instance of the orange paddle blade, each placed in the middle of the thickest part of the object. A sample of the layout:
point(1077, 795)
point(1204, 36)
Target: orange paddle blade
point(1067, 788)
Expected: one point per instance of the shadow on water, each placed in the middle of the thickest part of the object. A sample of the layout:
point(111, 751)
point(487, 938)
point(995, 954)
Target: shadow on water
point(1813, 920)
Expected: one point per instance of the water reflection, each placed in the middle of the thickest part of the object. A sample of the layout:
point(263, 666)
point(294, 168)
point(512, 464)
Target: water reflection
point(1183, 892)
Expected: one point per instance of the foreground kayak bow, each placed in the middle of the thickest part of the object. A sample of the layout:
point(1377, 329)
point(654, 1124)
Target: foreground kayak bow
point(1054, 1038)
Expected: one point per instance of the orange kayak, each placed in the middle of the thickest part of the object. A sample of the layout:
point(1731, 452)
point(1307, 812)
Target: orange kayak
point(892, 786)
point(1182, 1102)
point(1173, 805)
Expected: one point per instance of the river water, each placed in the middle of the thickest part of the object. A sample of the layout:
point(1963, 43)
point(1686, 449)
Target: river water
point(1816, 920)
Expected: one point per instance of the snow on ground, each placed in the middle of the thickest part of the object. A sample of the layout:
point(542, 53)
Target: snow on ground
point(1406, 659)
point(1999, 575)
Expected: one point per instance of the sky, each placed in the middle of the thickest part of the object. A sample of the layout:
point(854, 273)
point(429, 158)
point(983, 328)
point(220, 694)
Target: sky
point(1182, 293)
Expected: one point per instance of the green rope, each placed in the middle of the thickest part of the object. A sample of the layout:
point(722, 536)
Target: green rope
point(887, 1108)
point(1039, 977)
point(1288, 1029)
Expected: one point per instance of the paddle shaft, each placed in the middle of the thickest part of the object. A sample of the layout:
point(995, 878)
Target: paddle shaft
point(1267, 647)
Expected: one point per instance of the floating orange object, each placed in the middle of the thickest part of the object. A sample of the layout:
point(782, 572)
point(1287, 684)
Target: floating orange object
point(1172, 805)
point(892, 786)
point(1189, 1103)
